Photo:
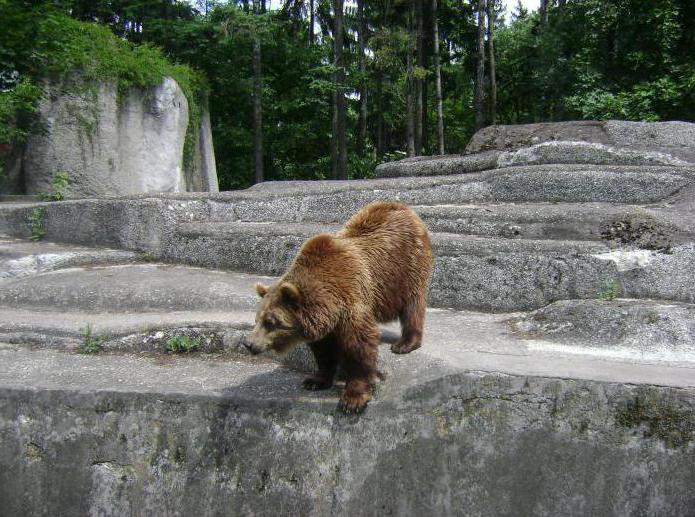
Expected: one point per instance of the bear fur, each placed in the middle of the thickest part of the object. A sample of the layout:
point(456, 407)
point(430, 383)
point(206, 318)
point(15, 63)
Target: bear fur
point(340, 287)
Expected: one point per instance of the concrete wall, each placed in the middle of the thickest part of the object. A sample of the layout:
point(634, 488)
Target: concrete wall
point(463, 444)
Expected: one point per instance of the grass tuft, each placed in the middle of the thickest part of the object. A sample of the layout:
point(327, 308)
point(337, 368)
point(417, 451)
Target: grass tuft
point(182, 344)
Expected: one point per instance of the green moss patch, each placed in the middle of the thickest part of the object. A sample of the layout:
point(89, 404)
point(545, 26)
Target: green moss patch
point(668, 422)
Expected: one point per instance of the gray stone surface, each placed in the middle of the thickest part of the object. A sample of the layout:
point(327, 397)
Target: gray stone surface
point(470, 272)
point(121, 434)
point(200, 169)
point(618, 328)
point(23, 258)
point(113, 146)
point(581, 407)
point(118, 300)
point(557, 152)
point(580, 142)
point(585, 152)
point(674, 138)
point(439, 165)
point(142, 222)
point(550, 425)
point(248, 231)
point(572, 221)
point(136, 287)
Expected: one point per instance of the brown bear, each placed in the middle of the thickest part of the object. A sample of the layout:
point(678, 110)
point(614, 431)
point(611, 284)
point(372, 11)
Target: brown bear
point(337, 290)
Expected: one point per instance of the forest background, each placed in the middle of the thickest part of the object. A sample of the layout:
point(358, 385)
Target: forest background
point(315, 89)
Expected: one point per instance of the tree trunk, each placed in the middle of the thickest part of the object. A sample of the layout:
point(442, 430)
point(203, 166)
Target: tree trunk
point(380, 115)
point(311, 22)
point(478, 101)
point(339, 137)
point(491, 51)
point(257, 111)
point(438, 80)
point(409, 101)
point(334, 132)
point(419, 87)
point(543, 10)
point(362, 129)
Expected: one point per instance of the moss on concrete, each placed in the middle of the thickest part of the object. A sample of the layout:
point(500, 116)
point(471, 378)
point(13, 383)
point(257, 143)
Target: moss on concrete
point(664, 420)
point(639, 229)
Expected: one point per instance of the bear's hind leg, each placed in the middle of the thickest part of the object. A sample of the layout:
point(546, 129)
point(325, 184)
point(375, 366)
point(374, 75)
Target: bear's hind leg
point(326, 353)
point(359, 347)
point(412, 319)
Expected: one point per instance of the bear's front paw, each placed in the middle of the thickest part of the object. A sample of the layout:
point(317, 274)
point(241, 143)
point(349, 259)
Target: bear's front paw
point(353, 402)
point(315, 383)
point(404, 346)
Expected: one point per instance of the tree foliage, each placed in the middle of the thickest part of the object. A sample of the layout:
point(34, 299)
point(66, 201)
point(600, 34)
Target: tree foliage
point(584, 59)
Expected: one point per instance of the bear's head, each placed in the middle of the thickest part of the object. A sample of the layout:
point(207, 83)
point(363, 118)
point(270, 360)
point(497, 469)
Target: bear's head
point(278, 326)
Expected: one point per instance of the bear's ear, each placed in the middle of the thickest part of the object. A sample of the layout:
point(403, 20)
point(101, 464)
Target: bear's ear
point(262, 290)
point(290, 293)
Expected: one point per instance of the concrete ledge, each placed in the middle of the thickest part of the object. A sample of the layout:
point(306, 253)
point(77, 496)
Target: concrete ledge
point(554, 152)
point(202, 436)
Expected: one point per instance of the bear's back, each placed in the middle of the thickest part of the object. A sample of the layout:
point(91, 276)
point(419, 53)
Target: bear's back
point(395, 247)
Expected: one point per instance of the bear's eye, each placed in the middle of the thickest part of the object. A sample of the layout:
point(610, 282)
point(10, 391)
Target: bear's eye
point(269, 324)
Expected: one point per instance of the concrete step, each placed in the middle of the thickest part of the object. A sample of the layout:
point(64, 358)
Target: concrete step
point(616, 329)
point(471, 272)
point(133, 331)
point(145, 223)
point(110, 433)
point(20, 258)
point(564, 221)
point(553, 152)
point(133, 288)
point(335, 201)
point(18, 198)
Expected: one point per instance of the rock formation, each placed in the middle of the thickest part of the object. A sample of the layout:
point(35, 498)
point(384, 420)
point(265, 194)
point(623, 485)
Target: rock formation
point(584, 142)
point(113, 143)
point(556, 376)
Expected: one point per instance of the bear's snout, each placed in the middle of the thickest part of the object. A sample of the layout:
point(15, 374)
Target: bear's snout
point(251, 346)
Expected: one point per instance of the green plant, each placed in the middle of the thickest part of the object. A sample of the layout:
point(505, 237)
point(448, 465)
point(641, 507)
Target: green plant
point(610, 291)
point(17, 104)
point(182, 344)
point(92, 344)
point(36, 220)
point(58, 185)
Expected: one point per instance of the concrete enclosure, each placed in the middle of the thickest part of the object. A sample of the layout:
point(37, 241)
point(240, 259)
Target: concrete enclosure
point(557, 374)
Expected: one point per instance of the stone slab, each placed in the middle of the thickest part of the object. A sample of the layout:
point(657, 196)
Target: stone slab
point(617, 328)
point(120, 433)
point(674, 138)
point(20, 258)
point(133, 288)
point(556, 152)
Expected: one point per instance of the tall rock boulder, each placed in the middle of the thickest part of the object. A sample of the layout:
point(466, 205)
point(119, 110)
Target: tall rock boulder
point(112, 143)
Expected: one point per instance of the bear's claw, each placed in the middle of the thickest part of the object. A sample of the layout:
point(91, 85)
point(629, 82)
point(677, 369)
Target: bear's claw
point(314, 383)
point(353, 404)
point(405, 347)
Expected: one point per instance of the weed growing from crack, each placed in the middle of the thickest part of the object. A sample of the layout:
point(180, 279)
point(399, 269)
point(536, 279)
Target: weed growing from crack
point(91, 344)
point(36, 220)
point(610, 291)
point(182, 344)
